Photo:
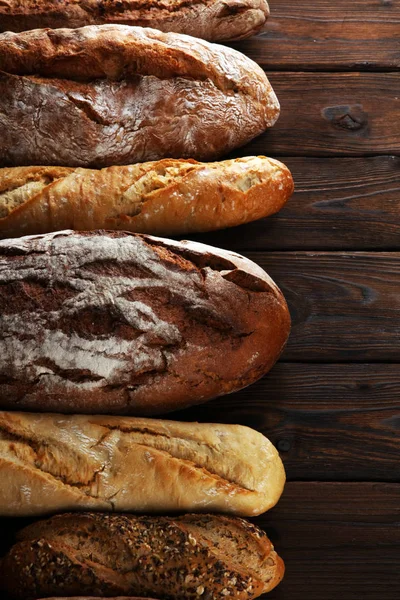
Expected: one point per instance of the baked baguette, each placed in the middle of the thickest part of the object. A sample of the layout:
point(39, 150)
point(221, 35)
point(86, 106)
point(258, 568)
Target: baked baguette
point(187, 557)
point(101, 322)
point(106, 95)
point(167, 197)
point(208, 19)
point(57, 463)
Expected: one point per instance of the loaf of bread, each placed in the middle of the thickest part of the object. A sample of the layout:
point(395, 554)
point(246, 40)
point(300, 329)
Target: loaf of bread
point(112, 322)
point(208, 19)
point(181, 558)
point(107, 95)
point(96, 598)
point(56, 463)
point(166, 197)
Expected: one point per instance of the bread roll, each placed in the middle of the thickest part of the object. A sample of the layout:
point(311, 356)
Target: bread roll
point(108, 95)
point(181, 558)
point(55, 463)
point(209, 19)
point(112, 322)
point(167, 197)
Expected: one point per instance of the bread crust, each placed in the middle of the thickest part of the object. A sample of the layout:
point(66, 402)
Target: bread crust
point(168, 197)
point(110, 94)
point(176, 558)
point(131, 324)
point(107, 463)
point(213, 20)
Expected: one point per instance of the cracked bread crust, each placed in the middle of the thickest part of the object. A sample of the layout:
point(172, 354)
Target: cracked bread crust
point(213, 20)
point(167, 197)
point(110, 95)
point(178, 558)
point(55, 463)
point(112, 322)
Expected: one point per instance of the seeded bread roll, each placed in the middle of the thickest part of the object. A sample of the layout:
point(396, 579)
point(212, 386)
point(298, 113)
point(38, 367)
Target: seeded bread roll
point(57, 463)
point(167, 197)
point(108, 95)
point(208, 19)
point(112, 322)
point(183, 558)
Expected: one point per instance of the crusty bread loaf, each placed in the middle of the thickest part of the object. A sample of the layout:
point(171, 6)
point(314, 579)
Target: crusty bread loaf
point(167, 197)
point(56, 463)
point(208, 19)
point(187, 557)
point(107, 95)
point(112, 322)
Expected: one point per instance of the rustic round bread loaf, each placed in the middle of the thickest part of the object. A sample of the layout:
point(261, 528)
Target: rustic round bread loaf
point(108, 95)
point(208, 19)
point(112, 322)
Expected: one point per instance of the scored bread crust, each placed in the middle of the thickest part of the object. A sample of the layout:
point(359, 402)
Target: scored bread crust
point(167, 197)
point(212, 20)
point(110, 94)
point(112, 322)
point(178, 558)
point(54, 463)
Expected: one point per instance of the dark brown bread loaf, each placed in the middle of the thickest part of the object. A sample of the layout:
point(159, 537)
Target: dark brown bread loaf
point(208, 19)
point(111, 322)
point(108, 95)
point(188, 558)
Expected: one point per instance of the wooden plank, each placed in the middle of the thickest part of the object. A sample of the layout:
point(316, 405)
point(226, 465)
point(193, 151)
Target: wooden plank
point(325, 35)
point(345, 307)
point(333, 114)
point(338, 541)
point(330, 422)
point(339, 203)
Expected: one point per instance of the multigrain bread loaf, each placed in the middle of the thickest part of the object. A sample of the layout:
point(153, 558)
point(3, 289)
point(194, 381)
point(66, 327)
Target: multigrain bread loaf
point(101, 322)
point(187, 557)
point(57, 463)
point(208, 19)
point(166, 197)
point(107, 95)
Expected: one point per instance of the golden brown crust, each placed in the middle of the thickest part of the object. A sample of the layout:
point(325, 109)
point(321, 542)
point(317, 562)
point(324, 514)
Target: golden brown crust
point(180, 558)
point(167, 197)
point(212, 20)
point(109, 95)
point(78, 462)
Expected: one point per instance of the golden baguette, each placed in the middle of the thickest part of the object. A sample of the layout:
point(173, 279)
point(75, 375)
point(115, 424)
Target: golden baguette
point(53, 463)
point(166, 197)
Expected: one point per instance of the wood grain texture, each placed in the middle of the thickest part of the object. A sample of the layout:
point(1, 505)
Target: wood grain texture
point(345, 307)
point(338, 541)
point(333, 114)
point(330, 422)
point(325, 35)
point(339, 203)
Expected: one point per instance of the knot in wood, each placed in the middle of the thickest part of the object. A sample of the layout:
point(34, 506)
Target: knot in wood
point(351, 118)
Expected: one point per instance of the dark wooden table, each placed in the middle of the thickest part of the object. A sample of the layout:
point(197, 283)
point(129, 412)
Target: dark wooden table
point(332, 404)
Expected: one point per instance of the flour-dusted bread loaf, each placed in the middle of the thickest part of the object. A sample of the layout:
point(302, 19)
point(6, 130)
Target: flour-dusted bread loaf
point(100, 322)
point(108, 95)
point(166, 197)
point(181, 558)
point(208, 19)
point(56, 463)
